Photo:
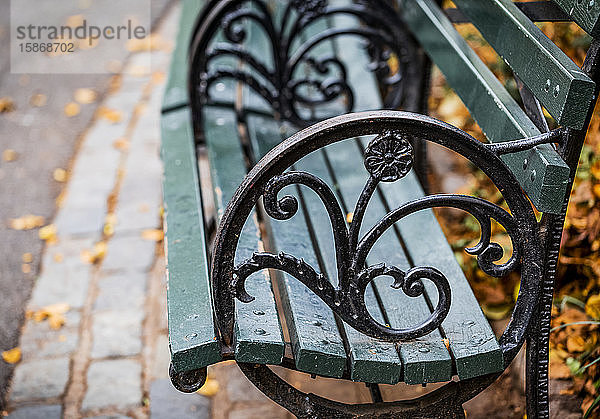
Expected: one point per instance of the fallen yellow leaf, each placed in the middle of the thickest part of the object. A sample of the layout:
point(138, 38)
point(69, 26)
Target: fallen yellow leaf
point(158, 77)
point(48, 233)
point(349, 217)
point(9, 155)
point(6, 104)
point(121, 143)
point(26, 222)
point(592, 307)
point(27, 258)
point(210, 387)
point(12, 356)
point(446, 343)
point(58, 257)
point(111, 115)
point(54, 313)
point(153, 234)
point(96, 254)
point(85, 96)
point(26, 268)
point(60, 175)
point(75, 20)
point(72, 109)
point(38, 100)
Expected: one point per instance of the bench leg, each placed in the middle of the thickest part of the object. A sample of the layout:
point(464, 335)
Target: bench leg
point(538, 342)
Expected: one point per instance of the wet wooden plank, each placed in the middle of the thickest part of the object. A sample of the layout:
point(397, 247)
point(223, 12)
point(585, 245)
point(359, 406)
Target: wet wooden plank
point(192, 337)
point(258, 337)
point(176, 89)
point(541, 172)
point(585, 13)
point(559, 84)
point(316, 341)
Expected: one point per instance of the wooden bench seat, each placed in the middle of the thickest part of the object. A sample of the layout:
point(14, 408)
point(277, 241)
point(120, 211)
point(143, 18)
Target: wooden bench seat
point(236, 110)
point(320, 343)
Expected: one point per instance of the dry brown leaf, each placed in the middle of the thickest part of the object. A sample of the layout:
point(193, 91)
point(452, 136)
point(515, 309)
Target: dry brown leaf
point(12, 356)
point(6, 104)
point(59, 175)
point(26, 222)
point(9, 155)
point(85, 96)
point(72, 109)
point(38, 100)
point(153, 235)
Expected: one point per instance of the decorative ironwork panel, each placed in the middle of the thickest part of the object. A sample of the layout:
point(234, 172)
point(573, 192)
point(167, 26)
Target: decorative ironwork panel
point(293, 75)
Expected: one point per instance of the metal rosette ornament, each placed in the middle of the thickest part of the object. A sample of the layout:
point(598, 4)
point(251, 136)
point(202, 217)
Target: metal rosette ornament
point(388, 158)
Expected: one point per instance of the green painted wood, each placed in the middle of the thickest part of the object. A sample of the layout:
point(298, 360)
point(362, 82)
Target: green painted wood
point(541, 172)
point(371, 360)
point(560, 85)
point(192, 338)
point(258, 337)
point(316, 342)
point(586, 13)
point(426, 359)
point(176, 88)
point(472, 341)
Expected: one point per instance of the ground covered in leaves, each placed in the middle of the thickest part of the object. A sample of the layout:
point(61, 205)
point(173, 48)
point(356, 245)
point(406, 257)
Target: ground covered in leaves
point(575, 337)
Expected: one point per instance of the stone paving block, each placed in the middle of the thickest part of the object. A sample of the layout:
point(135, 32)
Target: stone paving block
point(117, 333)
point(121, 291)
point(115, 383)
point(162, 357)
point(66, 252)
point(62, 284)
point(129, 252)
point(38, 340)
point(40, 379)
point(37, 412)
point(166, 402)
point(262, 411)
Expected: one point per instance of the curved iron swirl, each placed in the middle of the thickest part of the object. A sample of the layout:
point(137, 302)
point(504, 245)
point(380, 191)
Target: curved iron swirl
point(293, 77)
point(387, 158)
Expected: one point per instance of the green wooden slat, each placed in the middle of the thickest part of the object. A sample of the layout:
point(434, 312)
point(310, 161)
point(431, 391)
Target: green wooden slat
point(545, 175)
point(176, 88)
point(426, 359)
point(258, 337)
point(371, 360)
point(472, 341)
point(192, 337)
point(562, 87)
point(427, 246)
point(586, 13)
point(316, 342)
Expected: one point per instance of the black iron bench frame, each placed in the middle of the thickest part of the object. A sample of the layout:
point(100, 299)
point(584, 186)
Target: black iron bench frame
point(536, 244)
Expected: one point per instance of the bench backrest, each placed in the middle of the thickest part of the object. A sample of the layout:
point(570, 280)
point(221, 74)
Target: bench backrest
point(546, 75)
point(564, 90)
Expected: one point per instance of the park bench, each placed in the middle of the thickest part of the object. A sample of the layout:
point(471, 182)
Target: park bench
point(328, 258)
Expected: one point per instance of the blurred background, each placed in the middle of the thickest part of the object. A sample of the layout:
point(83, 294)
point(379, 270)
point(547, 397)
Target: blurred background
point(80, 222)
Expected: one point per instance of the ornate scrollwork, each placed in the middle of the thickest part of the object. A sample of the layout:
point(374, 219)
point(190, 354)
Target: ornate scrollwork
point(387, 158)
point(289, 73)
